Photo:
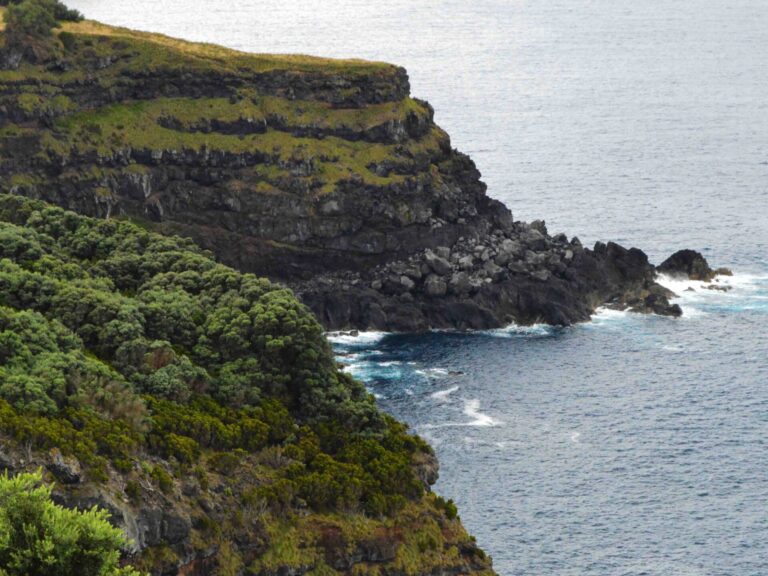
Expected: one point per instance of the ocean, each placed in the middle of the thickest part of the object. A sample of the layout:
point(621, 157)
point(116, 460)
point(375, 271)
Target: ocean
point(629, 445)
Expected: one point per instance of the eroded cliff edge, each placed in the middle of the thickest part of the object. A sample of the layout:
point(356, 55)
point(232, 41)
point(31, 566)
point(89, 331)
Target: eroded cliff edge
point(322, 174)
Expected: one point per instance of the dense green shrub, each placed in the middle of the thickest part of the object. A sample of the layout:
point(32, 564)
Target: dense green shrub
point(36, 18)
point(164, 480)
point(168, 318)
point(116, 344)
point(57, 8)
point(29, 18)
point(40, 538)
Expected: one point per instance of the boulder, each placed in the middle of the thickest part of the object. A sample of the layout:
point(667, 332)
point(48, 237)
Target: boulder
point(541, 275)
point(511, 247)
point(493, 270)
point(437, 264)
point(502, 258)
point(459, 283)
point(540, 226)
point(395, 284)
point(687, 263)
point(434, 286)
point(466, 262)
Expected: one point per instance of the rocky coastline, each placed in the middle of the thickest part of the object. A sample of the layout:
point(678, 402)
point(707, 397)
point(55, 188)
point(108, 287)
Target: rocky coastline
point(325, 176)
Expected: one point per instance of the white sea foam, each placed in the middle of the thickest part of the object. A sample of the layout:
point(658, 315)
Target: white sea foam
point(442, 395)
point(359, 338)
point(472, 409)
point(694, 296)
point(432, 372)
point(736, 284)
point(576, 437)
point(516, 331)
point(675, 349)
point(608, 317)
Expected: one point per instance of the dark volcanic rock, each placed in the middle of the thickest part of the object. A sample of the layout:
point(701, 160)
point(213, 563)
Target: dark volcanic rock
point(66, 469)
point(688, 263)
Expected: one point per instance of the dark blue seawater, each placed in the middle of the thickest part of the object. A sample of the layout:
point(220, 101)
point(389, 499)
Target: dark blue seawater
point(629, 445)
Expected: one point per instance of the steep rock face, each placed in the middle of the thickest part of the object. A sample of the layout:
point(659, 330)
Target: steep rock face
point(324, 175)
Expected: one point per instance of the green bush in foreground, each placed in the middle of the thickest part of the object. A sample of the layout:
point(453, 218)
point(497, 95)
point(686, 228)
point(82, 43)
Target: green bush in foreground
point(40, 538)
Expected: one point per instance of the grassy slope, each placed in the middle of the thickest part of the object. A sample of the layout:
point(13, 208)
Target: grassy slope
point(131, 124)
point(222, 57)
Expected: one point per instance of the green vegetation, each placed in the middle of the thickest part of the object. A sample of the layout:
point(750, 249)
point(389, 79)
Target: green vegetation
point(114, 340)
point(158, 50)
point(289, 136)
point(151, 364)
point(40, 538)
point(178, 384)
point(184, 124)
point(36, 18)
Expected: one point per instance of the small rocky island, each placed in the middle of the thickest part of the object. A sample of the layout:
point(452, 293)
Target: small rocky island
point(324, 175)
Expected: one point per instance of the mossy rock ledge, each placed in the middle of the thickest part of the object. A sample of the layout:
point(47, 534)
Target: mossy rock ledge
point(321, 174)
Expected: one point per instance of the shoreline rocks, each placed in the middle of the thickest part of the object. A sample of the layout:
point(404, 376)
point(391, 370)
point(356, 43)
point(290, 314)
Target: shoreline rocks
point(690, 264)
point(514, 274)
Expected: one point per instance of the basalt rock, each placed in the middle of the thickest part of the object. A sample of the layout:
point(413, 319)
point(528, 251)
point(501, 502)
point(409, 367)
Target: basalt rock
point(687, 263)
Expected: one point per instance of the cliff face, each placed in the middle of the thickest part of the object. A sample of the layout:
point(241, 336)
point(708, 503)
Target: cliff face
point(322, 174)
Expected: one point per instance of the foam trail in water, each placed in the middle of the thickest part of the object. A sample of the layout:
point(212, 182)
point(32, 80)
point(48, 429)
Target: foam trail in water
point(741, 292)
point(603, 315)
point(432, 372)
point(472, 409)
point(576, 437)
point(442, 395)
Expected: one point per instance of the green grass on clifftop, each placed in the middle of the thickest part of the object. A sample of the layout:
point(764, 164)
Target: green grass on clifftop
point(159, 49)
point(105, 94)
